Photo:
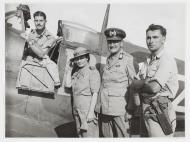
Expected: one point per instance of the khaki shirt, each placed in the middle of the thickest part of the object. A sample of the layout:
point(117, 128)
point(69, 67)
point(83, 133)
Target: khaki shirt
point(43, 41)
point(117, 75)
point(85, 82)
point(163, 69)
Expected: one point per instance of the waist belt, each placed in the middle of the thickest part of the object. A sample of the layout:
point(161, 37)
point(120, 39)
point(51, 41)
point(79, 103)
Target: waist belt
point(115, 85)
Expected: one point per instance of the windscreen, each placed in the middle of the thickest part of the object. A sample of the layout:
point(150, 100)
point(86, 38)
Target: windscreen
point(79, 34)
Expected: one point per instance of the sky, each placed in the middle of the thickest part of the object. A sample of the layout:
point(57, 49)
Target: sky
point(134, 18)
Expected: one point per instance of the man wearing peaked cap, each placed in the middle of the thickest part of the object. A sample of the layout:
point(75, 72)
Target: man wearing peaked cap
point(115, 34)
point(85, 84)
point(118, 74)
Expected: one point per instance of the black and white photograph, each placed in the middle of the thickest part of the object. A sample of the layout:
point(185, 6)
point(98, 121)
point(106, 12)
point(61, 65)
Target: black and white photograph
point(98, 70)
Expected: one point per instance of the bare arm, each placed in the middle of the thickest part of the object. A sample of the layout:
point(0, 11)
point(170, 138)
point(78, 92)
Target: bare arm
point(38, 51)
point(90, 115)
point(95, 86)
point(43, 50)
point(68, 74)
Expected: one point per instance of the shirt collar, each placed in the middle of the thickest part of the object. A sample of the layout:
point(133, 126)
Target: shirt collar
point(160, 54)
point(84, 68)
point(153, 57)
point(118, 56)
point(43, 33)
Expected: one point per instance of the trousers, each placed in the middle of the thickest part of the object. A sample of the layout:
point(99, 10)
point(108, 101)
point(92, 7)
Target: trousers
point(84, 128)
point(113, 126)
point(153, 127)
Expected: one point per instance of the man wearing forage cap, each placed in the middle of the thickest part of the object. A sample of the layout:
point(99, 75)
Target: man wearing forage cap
point(85, 83)
point(117, 75)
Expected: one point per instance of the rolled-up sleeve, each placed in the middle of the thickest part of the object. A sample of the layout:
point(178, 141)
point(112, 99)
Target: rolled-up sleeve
point(95, 81)
point(48, 43)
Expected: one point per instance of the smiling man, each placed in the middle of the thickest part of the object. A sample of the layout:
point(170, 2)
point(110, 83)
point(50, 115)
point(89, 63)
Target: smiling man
point(117, 75)
point(157, 84)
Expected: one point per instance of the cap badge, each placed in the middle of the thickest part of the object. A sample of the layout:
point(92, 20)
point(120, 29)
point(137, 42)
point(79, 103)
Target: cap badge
point(121, 56)
point(112, 33)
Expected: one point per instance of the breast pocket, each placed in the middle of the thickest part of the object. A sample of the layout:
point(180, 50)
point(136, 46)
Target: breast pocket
point(152, 71)
point(119, 68)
